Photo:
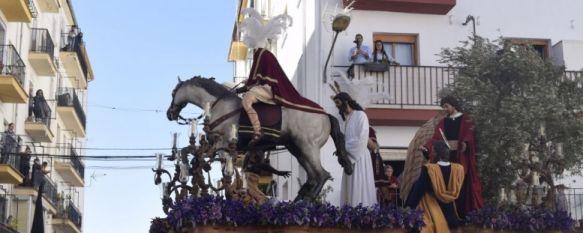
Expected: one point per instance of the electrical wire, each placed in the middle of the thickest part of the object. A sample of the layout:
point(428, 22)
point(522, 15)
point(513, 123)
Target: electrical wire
point(125, 109)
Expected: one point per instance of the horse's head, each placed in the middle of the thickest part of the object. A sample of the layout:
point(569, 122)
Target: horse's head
point(179, 101)
point(197, 90)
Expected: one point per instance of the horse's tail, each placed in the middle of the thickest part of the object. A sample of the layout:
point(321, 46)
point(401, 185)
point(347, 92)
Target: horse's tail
point(340, 144)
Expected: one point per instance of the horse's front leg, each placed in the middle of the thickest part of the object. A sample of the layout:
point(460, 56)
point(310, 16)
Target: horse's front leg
point(227, 166)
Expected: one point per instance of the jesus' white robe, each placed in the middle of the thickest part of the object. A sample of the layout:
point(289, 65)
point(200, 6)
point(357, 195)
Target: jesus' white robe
point(358, 187)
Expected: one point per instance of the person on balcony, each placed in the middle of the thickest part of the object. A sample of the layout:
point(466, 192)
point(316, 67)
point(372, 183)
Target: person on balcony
point(9, 143)
point(436, 191)
point(359, 54)
point(25, 166)
point(37, 175)
point(379, 55)
point(359, 187)
point(40, 107)
point(457, 129)
point(72, 38)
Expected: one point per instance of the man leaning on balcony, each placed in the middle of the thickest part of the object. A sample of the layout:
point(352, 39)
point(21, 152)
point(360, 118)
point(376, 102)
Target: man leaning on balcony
point(8, 143)
point(359, 54)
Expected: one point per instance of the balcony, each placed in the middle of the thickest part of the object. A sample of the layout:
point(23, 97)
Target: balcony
point(10, 160)
point(412, 92)
point(38, 131)
point(439, 7)
point(11, 76)
point(39, 127)
point(7, 202)
point(9, 173)
point(68, 220)
point(71, 169)
point(68, 11)
point(42, 52)
point(575, 76)
point(4, 228)
point(75, 59)
point(70, 110)
point(50, 194)
point(18, 10)
point(49, 6)
point(408, 87)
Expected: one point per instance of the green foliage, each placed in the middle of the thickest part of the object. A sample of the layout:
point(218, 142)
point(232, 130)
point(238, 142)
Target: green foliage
point(511, 92)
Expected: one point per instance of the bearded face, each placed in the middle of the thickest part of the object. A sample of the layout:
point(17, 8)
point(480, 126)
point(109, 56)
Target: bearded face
point(342, 107)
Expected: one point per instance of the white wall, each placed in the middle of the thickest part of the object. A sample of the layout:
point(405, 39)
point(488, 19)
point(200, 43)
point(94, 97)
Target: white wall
point(570, 54)
point(302, 50)
point(541, 19)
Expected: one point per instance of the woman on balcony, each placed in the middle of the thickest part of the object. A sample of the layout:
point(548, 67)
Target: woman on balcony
point(380, 56)
point(40, 107)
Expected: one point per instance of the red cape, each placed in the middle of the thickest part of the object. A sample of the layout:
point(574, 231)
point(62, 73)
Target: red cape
point(471, 194)
point(266, 70)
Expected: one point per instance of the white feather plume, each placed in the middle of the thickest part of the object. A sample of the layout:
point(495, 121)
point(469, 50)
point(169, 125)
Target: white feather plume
point(256, 31)
point(361, 90)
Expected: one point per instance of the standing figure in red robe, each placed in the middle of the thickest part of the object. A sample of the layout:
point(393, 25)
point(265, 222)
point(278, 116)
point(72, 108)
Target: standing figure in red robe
point(457, 129)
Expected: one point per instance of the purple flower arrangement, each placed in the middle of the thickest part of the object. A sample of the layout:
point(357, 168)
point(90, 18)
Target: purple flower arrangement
point(216, 210)
point(521, 219)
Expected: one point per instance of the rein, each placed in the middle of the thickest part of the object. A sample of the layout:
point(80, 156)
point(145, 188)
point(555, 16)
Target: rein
point(187, 121)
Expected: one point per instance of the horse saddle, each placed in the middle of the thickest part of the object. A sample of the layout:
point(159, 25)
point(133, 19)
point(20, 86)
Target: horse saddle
point(270, 118)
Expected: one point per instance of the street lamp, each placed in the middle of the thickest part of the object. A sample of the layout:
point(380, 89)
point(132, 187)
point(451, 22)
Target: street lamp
point(339, 24)
point(468, 19)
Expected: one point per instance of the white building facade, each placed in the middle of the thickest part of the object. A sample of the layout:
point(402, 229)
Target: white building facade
point(42, 48)
point(413, 32)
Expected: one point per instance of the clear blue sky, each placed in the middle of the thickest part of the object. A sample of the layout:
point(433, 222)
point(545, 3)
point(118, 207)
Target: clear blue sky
point(137, 49)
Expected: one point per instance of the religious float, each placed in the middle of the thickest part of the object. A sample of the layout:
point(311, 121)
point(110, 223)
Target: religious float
point(193, 203)
point(235, 203)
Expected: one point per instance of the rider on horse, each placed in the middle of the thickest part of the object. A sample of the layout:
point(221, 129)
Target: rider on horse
point(267, 82)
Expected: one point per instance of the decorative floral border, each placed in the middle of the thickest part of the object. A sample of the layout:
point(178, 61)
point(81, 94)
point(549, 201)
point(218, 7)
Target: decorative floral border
point(521, 219)
point(216, 210)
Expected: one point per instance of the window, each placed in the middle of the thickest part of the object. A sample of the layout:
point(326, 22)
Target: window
point(540, 45)
point(402, 47)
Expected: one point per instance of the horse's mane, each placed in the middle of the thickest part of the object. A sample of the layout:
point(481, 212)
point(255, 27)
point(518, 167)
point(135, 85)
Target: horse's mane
point(212, 87)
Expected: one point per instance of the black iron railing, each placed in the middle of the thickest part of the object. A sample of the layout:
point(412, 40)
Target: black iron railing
point(9, 148)
point(3, 206)
point(41, 42)
point(11, 63)
point(32, 8)
point(571, 200)
point(73, 42)
point(576, 76)
point(79, 167)
point(416, 85)
point(40, 111)
point(7, 215)
point(73, 214)
point(406, 85)
point(67, 97)
point(49, 190)
point(5, 229)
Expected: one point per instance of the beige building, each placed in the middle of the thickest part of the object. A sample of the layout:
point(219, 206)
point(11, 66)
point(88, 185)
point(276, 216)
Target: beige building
point(42, 49)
